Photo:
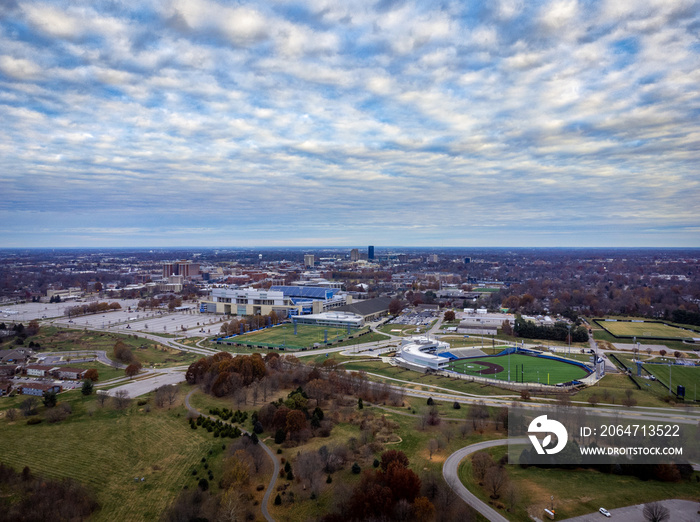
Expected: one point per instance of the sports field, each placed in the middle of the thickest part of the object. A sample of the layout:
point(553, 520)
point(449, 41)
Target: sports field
point(523, 368)
point(283, 335)
point(688, 376)
point(644, 329)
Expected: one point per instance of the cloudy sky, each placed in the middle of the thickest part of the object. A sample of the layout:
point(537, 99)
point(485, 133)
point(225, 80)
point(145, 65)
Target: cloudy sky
point(326, 122)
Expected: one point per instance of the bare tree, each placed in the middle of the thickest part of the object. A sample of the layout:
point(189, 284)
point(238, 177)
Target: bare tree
point(432, 447)
point(465, 428)
point(121, 399)
point(495, 480)
point(512, 496)
point(11, 414)
point(28, 406)
point(656, 512)
point(101, 398)
point(307, 468)
point(481, 462)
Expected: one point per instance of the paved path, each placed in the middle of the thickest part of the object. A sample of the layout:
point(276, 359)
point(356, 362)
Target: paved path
point(275, 462)
point(449, 472)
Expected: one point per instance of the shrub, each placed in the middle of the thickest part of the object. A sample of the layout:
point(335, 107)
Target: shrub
point(278, 500)
point(203, 484)
point(456, 405)
point(356, 469)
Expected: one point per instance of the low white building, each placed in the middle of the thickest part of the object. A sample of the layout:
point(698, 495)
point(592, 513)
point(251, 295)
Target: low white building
point(423, 351)
point(335, 319)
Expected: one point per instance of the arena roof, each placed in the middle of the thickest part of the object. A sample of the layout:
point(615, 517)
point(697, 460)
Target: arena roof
point(310, 292)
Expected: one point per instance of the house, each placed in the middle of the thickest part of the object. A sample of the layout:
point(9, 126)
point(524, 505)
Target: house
point(39, 370)
point(8, 370)
point(69, 373)
point(38, 389)
point(16, 355)
point(5, 388)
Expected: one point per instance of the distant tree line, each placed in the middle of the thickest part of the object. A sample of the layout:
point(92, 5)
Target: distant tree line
point(92, 308)
point(558, 332)
point(248, 323)
point(686, 317)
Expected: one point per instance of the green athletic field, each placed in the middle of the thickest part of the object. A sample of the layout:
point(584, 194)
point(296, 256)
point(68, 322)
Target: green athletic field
point(283, 335)
point(644, 329)
point(688, 376)
point(550, 371)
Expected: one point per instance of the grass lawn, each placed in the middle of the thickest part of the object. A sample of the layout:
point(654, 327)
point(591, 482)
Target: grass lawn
point(644, 329)
point(688, 376)
point(53, 339)
point(105, 372)
point(576, 492)
point(550, 371)
point(611, 389)
point(283, 335)
point(105, 449)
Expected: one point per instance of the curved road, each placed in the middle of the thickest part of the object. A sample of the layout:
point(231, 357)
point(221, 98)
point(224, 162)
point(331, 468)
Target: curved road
point(449, 472)
point(275, 462)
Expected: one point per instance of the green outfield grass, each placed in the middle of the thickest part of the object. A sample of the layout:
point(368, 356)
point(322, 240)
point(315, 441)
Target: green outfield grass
point(645, 329)
point(283, 335)
point(550, 371)
point(688, 376)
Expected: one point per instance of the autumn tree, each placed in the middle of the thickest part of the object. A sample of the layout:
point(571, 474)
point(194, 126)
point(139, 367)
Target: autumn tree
point(396, 306)
point(449, 316)
point(92, 375)
point(132, 370)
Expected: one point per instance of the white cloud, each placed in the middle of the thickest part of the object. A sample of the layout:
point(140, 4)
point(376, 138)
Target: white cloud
point(19, 68)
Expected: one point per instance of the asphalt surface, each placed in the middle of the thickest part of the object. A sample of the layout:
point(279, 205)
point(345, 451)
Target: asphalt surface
point(449, 472)
point(681, 511)
point(275, 463)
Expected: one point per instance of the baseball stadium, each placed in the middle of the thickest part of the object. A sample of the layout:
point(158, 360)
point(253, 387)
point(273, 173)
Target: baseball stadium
point(513, 364)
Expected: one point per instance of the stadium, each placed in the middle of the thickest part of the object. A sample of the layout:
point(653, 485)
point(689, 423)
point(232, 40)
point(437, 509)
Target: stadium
point(512, 364)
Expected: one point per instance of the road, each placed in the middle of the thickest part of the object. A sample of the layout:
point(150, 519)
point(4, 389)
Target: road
point(681, 510)
point(449, 472)
point(275, 463)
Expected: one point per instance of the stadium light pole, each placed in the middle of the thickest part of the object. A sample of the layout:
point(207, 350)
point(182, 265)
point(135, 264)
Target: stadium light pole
point(569, 327)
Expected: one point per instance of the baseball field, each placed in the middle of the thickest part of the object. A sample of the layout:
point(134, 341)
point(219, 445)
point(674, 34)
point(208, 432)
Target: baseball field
point(523, 368)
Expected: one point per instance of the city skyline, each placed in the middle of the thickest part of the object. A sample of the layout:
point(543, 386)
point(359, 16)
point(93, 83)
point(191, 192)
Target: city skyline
point(278, 124)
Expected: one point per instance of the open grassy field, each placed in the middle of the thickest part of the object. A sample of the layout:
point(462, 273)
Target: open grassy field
point(149, 353)
point(106, 449)
point(283, 335)
point(688, 376)
point(529, 369)
point(576, 492)
point(645, 329)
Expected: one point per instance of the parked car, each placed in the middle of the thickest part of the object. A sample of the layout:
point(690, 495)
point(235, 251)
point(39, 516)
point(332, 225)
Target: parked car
point(604, 512)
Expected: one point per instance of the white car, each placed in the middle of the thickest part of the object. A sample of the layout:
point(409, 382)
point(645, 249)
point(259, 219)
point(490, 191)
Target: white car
point(604, 512)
